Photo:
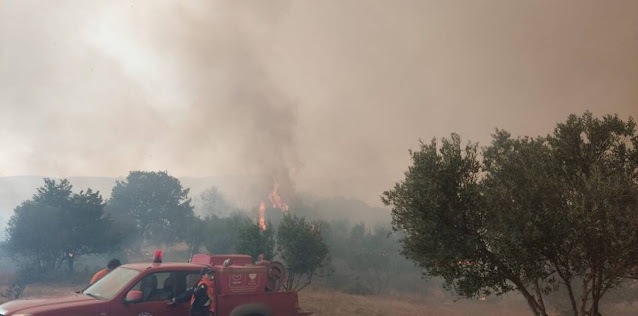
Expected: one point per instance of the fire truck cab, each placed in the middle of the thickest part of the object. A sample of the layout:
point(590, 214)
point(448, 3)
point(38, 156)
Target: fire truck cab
point(147, 289)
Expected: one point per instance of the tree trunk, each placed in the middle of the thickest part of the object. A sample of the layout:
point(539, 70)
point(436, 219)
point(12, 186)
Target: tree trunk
point(596, 293)
point(531, 301)
point(584, 296)
point(539, 294)
point(70, 261)
point(567, 279)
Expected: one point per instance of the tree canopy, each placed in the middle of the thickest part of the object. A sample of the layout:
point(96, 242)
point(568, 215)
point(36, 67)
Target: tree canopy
point(223, 233)
point(373, 254)
point(529, 214)
point(57, 225)
point(252, 240)
point(212, 202)
point(156, 202)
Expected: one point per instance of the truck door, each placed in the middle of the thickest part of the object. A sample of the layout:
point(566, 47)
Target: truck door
point(157, 291)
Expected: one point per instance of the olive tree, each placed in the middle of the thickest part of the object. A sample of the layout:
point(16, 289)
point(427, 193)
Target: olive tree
point(529, 214)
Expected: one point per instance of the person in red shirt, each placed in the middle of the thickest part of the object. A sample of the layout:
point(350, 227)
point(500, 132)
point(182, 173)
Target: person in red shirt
point(203, 300)
point(114, 263)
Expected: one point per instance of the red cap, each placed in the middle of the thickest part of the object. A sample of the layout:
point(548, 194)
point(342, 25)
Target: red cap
point(157, 257)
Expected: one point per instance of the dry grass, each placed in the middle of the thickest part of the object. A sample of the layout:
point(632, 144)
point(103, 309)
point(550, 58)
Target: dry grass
point(328, 302)
point(325, 302)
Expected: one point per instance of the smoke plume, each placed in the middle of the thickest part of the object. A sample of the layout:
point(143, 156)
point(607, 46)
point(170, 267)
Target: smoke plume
point(326, 95)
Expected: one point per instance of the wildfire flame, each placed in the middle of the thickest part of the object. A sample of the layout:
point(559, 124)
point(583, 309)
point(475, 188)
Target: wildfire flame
point(276, 202)
point(262, 215)
point(275, 199)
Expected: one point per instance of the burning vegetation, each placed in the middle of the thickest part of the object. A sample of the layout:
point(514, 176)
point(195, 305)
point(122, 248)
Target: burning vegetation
point(275, 201)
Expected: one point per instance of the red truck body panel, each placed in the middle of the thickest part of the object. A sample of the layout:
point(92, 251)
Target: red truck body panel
point(276, 303)
point(218, 260)
point(84, 305)
point(241, 279)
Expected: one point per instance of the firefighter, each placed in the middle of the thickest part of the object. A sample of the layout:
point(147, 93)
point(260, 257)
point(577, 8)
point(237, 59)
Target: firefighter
point(261, 259)
point(191, 283)
point(114, 263)
point(203, 300)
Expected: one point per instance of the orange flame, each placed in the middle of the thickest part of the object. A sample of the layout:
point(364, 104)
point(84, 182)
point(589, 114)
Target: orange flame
point(275, 199)
point(262, 215)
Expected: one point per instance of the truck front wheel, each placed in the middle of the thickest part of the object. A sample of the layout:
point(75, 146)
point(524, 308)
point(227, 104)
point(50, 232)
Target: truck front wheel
point(252, 309)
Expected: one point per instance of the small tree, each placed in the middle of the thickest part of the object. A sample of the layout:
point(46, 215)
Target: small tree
point(14, 290)
point(302, 247)
point(254, 241)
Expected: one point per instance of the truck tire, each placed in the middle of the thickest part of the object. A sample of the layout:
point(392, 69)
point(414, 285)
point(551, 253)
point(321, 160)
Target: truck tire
point(252, 309)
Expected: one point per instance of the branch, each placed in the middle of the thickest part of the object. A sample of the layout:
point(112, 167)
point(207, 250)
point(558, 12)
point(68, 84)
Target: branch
point(585, 293)
point(509, 275)
point(297, 283)
point(308, 281)
point(540, 295)
point(567, 279)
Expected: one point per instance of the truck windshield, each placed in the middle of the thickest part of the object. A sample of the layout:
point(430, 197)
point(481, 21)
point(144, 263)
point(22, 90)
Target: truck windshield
point(109, 285)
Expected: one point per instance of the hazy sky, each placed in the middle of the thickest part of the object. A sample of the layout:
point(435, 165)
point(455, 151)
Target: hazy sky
point(326, 95)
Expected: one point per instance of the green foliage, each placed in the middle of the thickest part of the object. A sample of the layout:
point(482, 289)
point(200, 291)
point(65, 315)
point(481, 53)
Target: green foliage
point(195, 234)
point(301, 246)
point(253, 241)
point(439, 206)
point(57, 226)
point(222, 233)
point(213, 202)
point(533, 215)
point(131, 237)
point(156, 202)
point(374, 256)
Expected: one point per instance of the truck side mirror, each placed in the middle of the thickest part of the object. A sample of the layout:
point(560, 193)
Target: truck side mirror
point(133, 297)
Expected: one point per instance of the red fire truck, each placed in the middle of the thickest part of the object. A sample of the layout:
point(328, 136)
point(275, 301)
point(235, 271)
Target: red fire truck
point(148, 289)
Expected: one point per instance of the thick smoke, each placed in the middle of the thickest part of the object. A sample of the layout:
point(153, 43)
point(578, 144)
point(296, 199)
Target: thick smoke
point(185, 90)
point(328, 94)
point(238, 111)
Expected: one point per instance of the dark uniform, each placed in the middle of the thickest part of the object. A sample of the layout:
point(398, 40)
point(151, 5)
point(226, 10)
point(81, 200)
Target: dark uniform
point(203, 299)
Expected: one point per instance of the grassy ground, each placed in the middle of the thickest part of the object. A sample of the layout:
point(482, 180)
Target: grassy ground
point(326, 302)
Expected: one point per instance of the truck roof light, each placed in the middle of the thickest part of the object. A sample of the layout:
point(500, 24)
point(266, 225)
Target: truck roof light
point(157, 257)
